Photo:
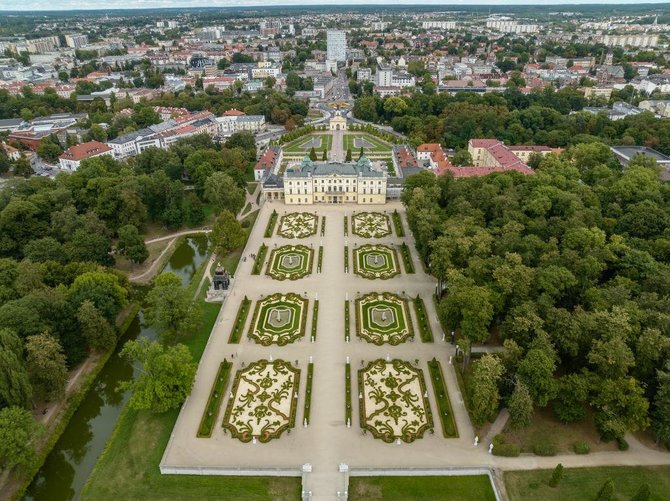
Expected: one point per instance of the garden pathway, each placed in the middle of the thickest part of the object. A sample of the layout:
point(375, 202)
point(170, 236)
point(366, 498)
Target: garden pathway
point(337, 153)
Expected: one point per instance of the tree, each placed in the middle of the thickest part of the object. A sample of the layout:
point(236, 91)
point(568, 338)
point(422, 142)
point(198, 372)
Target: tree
point(165, 378)
point(170, 307)
point(49, 151)
point(312, 154)
point(661, 407)
point(348, 158)
point(571, 397)
point(324, 157)
point(556, 476)
point(642, 494)
point(19, 433)
point(46, 365)
point(536, 370)
point(103, 289)
point(224, 193)
point(361, 153)
point(606, 492)
point(520, 406)
point(462, 157)
point(621, 407)
point(131, 244)
point(97, 331)
point(15, 389)
point(23, 168)
point(484, 396)
point(227, 234)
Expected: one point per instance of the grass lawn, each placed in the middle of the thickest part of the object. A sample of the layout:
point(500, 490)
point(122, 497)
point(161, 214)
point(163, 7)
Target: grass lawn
point(298, 146)
point(475, 488)
point(128, 467)
point(584, 483)
point(380, 147)
point(251, 187)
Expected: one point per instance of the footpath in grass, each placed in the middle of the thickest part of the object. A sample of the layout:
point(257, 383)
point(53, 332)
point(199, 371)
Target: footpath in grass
point(471, 488)
point(583, 484)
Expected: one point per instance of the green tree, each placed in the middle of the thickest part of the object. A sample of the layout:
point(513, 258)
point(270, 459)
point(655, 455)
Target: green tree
point(661, 407)
point(520, 406)
point(170, 307)
point(19, 433)
point(15, 388)
point(131, 244)
point(46, 365)
point(49, 150)
point(97, 331)
point(348, 158)
point(23, 168)
point(484, 395)
point(621, 407)
point(571, 397)
point(606, 492)
point(556, 476)
point(536, 370)
point(224, 193)
point(462, 157)
point(324, 157)
point(227, 234)
point(103, 289)
point(165, 378)
point(361, 153)
point(312, 154)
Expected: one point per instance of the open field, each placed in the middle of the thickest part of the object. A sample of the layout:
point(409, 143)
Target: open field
point(371, 145)
point(475, 488)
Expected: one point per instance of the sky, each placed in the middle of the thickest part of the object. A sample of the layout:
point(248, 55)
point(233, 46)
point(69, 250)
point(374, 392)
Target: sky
point(37, 5)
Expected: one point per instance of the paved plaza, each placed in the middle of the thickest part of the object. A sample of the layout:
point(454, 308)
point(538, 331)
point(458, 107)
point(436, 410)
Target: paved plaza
point(328, 442)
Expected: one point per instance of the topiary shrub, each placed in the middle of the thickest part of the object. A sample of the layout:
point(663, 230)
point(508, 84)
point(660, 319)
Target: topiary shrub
point(622, 444)
point(556, 476)
point(500, 448)
point(544, 449)
point(581, 448)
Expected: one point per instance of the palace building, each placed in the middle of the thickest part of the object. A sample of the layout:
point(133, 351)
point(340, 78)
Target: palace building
point(329, 183)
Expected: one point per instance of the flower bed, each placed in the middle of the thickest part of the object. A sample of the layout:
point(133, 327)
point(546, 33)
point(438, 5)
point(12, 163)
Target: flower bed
point(214, 400)
point(347, 390)
point(270, 228)
point(376, 261)
point(315, 317)
point(319, 265)
point(425, 331)
point(406, 258)
point(442, 398)
point(297, 225)
point(290, 262)
point(240, 319)
point(383, 318)
point(370, 225)
point(346, 226)
point(279, 319)
point(393, 401)
point(260, 259)
point(346, 259)
point(308, 394)
point(263, 401)
point(346, 321)
point(397, 224)
point(323, 225)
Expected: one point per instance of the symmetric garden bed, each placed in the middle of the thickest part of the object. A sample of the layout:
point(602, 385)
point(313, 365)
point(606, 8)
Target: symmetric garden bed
point(279, 319)
point(376, 261)
point(298, 225)
point(290, 262)
point(392, 401)
point(383, 318)
point(370, 225)
point(263, 401)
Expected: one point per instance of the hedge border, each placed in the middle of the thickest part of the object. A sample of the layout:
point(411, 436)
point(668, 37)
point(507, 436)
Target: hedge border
point(308, 393)
point(260, 259)
point(425, 330)
point(407, 258)
point(315, 317)
point(272, 222)
point(240, 320)
point(214, 401)
point(397, 224)
point(449, 428)
point(347, 390)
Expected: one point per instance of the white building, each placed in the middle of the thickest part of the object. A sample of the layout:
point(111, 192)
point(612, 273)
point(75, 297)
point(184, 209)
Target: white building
point(364, 74)
point(630, 40)
point(442, 25)
point(337, 46)
point(384, 76)
point(71, 158)
point(76, 41)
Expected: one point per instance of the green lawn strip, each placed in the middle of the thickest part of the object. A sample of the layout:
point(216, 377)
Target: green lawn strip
point(260, 258)
point(420, 488)
point(406, 258)
point(308, 393)
point(251, 187)
point(397, 224)
point(315, 317)
point(584, 483)
point(449, 428)
point(347, 387)
point(128, 467)
point(346, 320)
point(425, 331)
point(320, 261)
point(346, 226)
point(323, 225)
point(460, 377)
point(270, 228)
point(346, 259)
point(247, 208)
point(240, 320)
point(214, 401)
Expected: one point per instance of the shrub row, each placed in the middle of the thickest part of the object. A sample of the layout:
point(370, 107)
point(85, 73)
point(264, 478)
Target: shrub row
point(214, 401)
point(346, 226)
point(425, 331)
point(308, 393)
point(346, 320)
point(240, 320)
point(500, 448)
point(406, 258)
point(323, 225)
point(270, 228)
point(397, 224)
point(260, 259)
point(442, 399)
point(346, 259)
point(320, 260)
point(347, 386)
point(315, 317)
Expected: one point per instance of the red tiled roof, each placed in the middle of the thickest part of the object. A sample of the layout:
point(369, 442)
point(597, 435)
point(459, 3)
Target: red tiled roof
point(233, 113)
point(84, 150)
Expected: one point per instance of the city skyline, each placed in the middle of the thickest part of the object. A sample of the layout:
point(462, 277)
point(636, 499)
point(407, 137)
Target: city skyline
point(67, 5)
